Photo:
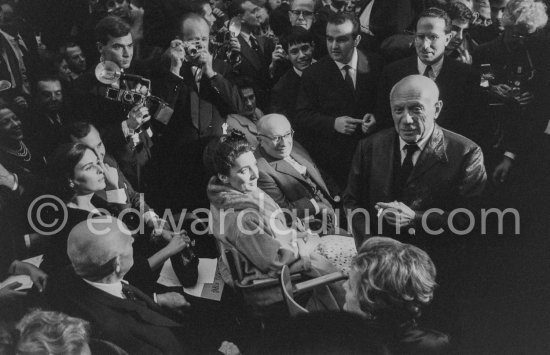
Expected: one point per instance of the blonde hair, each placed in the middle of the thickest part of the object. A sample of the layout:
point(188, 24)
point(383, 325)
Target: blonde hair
point(51, 333)
point(390, 275)
point(528, 14)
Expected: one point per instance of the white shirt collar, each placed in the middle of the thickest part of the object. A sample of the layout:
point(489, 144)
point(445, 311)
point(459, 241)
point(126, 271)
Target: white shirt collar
point(421, 144)
point(352, 63)
point(114, 289)
point(246, 37)
point(436, 67)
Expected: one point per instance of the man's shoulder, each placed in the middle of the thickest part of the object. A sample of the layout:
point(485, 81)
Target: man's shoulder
point(289, 79)
point(110, 160)
point(382, 137)
point(319, 66)
point(402, 64)
point(457, 68)
point(456, 141)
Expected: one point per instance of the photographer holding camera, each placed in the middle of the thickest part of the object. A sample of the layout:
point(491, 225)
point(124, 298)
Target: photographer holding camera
point(196, 86)
point(519, 77)
point(118, 109)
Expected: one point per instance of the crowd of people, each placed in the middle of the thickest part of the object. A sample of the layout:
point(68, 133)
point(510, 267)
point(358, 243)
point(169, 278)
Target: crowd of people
point(379, 139)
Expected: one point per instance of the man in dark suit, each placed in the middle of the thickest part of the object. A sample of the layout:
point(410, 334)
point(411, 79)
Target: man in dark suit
point(123, 125)
point(336, 99)
point(457, 82)
point(198, 88)
point(299, 47)
point(416, 164)
point(288, 174)
point(256, 51)
point(49, 114)
point(101, 254)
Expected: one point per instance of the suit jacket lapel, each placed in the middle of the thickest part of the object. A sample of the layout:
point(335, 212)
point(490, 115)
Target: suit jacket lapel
point(146, 314)
point(433, 153)
point(363, 70)
point(249, 53)
point(313, 172)
point(383, 158)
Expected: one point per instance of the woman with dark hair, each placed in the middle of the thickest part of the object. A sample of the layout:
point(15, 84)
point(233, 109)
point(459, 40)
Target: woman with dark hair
point(75, 175)
point(243, 217)
point(389, 283)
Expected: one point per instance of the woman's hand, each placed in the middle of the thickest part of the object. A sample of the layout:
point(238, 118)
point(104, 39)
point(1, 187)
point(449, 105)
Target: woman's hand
point(39, 278)
point(178, 242)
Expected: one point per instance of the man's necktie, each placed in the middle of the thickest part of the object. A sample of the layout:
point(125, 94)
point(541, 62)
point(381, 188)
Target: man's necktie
point(407, 166)
point(131, 295)
point(427, 71)
point(255, 45)
point(348, 79)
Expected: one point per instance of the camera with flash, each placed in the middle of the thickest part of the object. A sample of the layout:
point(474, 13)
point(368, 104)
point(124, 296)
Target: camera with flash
point(108, 72)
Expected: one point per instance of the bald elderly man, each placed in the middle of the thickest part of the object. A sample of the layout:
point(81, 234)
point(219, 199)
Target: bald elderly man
point(288, 174)
point(402, 172)
point(100, 250)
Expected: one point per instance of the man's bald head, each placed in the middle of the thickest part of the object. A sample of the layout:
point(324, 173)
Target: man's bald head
point(100, 247)
point(415, 105)
point(416, 84)
point(275, 135)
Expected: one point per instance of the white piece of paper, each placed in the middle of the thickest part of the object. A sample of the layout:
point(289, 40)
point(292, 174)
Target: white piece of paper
point(207, 273)
point(24, 280)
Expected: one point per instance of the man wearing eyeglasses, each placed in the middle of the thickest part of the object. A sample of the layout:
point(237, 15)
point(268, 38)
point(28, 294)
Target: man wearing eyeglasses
point(337, 97)
point(288, 174)
point(457, 82)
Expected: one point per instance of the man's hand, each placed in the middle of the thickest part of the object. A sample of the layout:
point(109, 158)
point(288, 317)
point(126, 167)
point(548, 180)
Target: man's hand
point(397, 214)
point(346, 125)
point(6, 178)
point(503, 169)
point(138, 115)
point(234, 44)
point(204, 58)
point(525, 98)
point(176, 53)
point(218, 13)
point(172, 300)
point(369, 121)
point(278, 54)
point(111, 175)
point(9, 292)
point(21, 102)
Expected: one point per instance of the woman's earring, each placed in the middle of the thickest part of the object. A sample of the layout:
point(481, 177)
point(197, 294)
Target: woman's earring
point(71, 185)
point(117, 268)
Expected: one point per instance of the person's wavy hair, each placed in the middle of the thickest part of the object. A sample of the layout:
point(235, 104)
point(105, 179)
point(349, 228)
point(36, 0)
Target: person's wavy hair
point(51, 333)
point(61, 166)
point(221, 153)
point(527, 14)
point(392, 276)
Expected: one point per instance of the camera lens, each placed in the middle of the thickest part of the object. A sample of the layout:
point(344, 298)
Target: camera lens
point(128, 97)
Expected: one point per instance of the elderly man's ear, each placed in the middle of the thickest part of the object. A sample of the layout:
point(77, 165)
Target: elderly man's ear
point(438, 108)
point(116, 264)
